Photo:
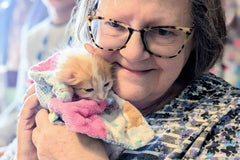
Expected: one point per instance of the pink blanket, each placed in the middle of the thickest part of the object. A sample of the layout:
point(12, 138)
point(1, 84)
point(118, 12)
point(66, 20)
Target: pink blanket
point(81, 116)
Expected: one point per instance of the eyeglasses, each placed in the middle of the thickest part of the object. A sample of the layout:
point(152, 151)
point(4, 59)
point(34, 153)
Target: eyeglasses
point(160, 41)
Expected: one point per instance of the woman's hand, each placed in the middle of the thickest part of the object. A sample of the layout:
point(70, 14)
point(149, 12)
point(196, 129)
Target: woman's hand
point(25, 148)
point(56, 142)
point(39, 139)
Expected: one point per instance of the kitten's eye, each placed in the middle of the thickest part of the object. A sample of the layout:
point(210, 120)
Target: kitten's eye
point(89, 90)
point(106, 84)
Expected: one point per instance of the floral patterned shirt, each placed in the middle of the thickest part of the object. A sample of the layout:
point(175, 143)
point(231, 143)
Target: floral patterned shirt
point(202, 122)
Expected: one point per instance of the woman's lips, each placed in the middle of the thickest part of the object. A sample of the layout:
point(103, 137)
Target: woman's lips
point(134, 71)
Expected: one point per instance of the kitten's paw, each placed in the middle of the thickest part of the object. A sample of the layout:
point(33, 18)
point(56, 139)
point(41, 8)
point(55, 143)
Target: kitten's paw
point(55, 118)
point(65, 94)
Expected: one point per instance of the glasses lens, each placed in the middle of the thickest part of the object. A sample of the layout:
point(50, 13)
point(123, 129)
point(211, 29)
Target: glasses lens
point(164, 41)
point(109, 34)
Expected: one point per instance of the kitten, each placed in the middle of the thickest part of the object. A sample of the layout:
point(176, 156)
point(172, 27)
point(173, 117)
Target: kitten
point(90, 76)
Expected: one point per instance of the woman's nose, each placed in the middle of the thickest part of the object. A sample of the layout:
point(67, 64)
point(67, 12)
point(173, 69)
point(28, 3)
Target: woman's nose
point(134, 50)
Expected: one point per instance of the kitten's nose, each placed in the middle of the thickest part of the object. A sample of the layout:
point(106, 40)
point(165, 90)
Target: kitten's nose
point(101, 97)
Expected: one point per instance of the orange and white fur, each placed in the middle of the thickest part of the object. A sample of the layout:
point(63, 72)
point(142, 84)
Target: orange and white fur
point(89, 76)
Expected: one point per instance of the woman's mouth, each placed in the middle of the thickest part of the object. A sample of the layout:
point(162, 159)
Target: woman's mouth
point(132, 71)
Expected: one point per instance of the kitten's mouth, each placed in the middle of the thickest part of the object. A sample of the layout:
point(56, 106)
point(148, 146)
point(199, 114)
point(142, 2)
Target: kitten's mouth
point(75, 97)
point(100, 100)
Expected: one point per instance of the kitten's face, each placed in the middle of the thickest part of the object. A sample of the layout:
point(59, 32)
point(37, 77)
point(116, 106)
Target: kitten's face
point(90, 76)
point(96, 88)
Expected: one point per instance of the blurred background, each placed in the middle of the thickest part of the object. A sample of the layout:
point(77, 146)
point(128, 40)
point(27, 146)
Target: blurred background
point(30, 31)
point(17, 17)
point(229, 66)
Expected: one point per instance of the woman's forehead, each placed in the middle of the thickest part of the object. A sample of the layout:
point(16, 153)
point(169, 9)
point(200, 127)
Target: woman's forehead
point(171, 12)
point(170, 3)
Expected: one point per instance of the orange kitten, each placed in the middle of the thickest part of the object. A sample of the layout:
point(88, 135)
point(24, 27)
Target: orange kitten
point(90, 76)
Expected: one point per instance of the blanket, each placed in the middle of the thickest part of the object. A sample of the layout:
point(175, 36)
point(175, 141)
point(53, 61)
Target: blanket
point(113, 120)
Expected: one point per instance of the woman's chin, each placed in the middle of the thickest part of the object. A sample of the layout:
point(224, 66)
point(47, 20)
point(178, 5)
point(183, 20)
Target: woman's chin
point(133, 94)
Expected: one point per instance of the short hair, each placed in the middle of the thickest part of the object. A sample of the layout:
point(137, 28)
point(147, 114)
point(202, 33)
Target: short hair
point(78, 27)
point(208, 37)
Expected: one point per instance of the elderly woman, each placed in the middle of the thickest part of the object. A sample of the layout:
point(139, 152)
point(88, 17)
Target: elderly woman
point(162, 50)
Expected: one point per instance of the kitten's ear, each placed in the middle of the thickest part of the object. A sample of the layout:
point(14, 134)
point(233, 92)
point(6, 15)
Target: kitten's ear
point(90, 48)
point(67, 77)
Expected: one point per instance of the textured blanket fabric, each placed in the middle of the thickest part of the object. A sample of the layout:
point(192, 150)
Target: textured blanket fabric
point(117, 123)
point(81, 116)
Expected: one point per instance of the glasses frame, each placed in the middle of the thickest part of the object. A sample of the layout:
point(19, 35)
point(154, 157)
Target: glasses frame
point(186, 30)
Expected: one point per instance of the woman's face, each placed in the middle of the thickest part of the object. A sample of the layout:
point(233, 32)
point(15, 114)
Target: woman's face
point(140, 77)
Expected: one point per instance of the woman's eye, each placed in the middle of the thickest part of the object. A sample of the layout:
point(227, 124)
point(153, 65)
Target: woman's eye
point(89, 90)
point(106, 84)
point(163, 32)
point(113, 24)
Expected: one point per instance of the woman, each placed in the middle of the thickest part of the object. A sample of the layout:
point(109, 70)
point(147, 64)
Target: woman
point(161, 49)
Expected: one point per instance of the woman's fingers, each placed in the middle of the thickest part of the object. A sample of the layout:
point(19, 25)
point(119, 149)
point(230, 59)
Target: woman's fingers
point(30, 91)
point(42, 118)
point(31, 104)
point(35, 133)
point(26, 124)
point(29, 109)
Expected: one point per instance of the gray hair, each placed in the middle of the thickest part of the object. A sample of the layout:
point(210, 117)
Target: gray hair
point(79, 28)
point(208, 39)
